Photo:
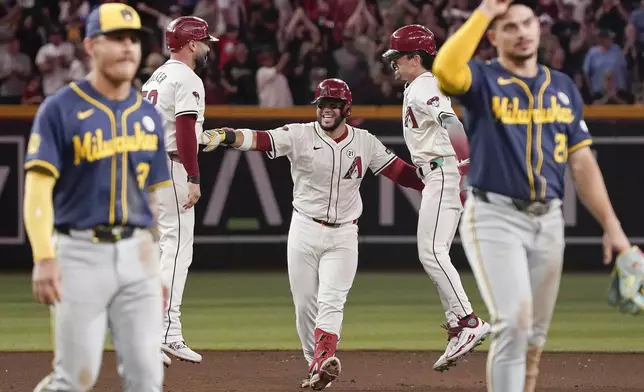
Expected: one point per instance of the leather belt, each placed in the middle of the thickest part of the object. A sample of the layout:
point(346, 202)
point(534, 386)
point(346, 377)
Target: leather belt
point(328, 224)
point(174, 156)
point(534, 208)
point(101, 233)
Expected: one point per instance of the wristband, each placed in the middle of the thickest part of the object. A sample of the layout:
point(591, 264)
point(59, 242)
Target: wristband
point(194, 179)
point(248, 140)
point(228, 137)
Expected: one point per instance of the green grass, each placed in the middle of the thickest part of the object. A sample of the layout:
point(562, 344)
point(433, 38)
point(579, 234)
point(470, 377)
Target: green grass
point(384, 311)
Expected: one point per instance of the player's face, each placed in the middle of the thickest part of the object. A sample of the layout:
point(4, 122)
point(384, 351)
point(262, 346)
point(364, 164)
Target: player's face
point(201, 50)
point(516, 34)
point(404, 67)
point(329, 114)
point(116, 55)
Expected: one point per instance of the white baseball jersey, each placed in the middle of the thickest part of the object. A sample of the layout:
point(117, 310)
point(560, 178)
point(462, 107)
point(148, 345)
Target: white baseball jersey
point(424, 107)
point(327, 174)
point(175, 89)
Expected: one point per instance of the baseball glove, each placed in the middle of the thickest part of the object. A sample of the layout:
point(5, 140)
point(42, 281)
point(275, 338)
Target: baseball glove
point(626, 288)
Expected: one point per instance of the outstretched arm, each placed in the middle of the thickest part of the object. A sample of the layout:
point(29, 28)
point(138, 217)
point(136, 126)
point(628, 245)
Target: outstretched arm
point(241, 139)
point(402, 173)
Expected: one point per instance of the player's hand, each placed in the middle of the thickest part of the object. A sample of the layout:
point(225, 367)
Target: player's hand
point(614, 240)
point(46, 281)
point(494, 8)
point(194, 194)
point(211, 139)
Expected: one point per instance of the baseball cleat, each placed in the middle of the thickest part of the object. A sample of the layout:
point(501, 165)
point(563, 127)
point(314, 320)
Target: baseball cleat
point(327, 372)
point(166, 359)
point(181, 351)
point(470, 332)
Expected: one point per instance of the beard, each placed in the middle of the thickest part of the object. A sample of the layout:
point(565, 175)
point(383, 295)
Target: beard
point(332, 127)
point(200, 63)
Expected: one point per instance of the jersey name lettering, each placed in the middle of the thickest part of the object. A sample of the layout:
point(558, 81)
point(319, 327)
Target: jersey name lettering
point(92, 147)
point(507, 110)
point(410, 118)
point(356, 166)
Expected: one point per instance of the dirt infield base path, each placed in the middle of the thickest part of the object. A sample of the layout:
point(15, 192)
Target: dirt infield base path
point(361, 371)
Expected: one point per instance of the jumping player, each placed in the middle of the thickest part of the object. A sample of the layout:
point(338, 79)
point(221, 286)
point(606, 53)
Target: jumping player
point(428, 121)
point(95, 157)
point(525, 124)
point(178, 94)
point(329, 159)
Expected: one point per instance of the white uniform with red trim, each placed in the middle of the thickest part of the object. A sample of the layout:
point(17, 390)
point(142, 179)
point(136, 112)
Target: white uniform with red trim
point(322, 259)
point(175, 89)
point(425, 108)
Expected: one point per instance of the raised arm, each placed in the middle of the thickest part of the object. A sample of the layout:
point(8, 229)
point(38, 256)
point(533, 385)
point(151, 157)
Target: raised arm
point(450, 65)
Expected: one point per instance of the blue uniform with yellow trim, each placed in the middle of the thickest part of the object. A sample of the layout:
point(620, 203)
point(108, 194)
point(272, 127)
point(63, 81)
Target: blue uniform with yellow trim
point(106, 155)
point(521, 130)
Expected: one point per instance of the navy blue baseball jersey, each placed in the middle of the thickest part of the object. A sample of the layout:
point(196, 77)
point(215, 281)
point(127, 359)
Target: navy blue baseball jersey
point(521, 130)
point(105, 154)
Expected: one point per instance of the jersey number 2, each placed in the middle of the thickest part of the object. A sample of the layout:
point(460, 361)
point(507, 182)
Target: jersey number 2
point(561, 148)
point(151, 96)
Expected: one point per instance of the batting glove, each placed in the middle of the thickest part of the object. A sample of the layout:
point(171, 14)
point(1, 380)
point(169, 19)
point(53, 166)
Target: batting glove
point(212, 138)
point(627, 285)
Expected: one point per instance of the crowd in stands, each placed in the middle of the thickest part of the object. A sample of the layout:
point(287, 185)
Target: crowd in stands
point(599, 43)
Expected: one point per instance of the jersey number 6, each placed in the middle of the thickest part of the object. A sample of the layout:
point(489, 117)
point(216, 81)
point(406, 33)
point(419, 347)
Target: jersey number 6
point(151, 96)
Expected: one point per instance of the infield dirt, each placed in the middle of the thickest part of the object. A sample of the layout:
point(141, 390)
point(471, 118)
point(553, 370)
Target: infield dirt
point(382, 371)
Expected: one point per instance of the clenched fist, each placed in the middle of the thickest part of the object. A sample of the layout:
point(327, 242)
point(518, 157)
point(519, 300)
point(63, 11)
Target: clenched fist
point(494, 8)
point(211, 138)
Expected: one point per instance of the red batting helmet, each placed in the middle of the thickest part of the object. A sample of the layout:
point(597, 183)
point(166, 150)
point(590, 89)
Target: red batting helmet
point(185, 29)
point(410, 38)
point(335, 89)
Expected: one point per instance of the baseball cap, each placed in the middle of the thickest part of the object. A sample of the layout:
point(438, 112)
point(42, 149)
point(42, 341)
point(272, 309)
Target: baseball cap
point(112, 17)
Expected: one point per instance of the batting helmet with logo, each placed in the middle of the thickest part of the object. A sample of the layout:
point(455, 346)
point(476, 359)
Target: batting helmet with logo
point(334, 89)
point(185, 29)
point(408, 39)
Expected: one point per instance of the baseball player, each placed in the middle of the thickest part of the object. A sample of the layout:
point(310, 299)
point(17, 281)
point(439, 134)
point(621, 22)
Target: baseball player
point(525, 124)
point(428, 121)
point(178, 94)
point(94, 161)
point(328, 159)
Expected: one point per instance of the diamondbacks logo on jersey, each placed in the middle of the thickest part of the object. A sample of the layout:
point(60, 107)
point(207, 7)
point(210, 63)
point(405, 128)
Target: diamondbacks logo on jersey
point(410, 119)
point(196, 95)
point(356, 167)
point(433, 101)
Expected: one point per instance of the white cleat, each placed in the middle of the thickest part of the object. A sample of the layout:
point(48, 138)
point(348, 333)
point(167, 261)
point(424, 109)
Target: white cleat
point(470, 332)
point(181, 351)
point(166, 359)
point(328, 371)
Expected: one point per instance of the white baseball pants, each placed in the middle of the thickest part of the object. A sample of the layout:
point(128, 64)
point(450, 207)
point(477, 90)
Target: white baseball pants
point(176, 231)
point(322, 264)
point(438, 217)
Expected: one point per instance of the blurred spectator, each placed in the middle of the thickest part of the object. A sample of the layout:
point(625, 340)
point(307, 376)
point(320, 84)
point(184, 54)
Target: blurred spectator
point(53, 60)
point(610, 94)
point(15, 72)
point(163, 21)
point(239, 78)
point(263, 25)
point(152, 62)
point(352, 65)
point(272, 86)
point(208, 10)
point(72, 15)
point(227, 44)
point(606, 56)
point(33, 92)
point(611, 15)
point(31, 36)
point(80, 65)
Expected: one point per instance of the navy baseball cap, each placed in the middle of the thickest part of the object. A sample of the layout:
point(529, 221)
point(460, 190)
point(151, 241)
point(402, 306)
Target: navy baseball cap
point(112, 17)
